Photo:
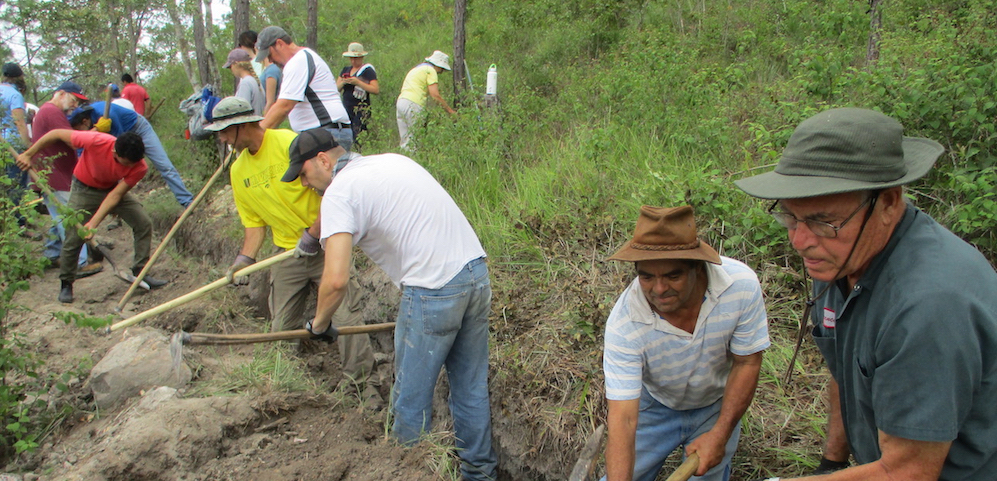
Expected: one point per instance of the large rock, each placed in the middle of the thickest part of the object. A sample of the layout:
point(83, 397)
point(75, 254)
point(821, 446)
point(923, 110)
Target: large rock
point(140, 362)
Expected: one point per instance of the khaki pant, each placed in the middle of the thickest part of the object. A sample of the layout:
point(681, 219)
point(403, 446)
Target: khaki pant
point(86, 198)
point(290, 283)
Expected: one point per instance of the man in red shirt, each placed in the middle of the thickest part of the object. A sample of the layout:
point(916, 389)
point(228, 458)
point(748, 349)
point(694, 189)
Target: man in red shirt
point(134, 93)
point(106, 171)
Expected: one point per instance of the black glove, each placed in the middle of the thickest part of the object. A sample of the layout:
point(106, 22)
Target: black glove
point(329, 335)
point(827, 466)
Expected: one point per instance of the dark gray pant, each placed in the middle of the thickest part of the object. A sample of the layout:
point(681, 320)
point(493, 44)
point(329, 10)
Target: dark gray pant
point(88, 199)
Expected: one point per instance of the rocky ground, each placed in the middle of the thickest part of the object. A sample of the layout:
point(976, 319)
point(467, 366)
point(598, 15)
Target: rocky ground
point(213, 427)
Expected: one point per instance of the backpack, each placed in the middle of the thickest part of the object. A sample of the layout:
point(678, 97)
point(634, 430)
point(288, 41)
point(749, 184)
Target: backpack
point(198, 109)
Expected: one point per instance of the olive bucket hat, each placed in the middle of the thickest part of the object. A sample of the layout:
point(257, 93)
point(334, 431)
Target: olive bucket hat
point(844, 150)
point(666, 233)
point(231, 111)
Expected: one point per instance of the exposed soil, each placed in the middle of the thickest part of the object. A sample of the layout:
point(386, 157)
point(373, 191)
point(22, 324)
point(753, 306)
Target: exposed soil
point(545, 381)
point(322, 434)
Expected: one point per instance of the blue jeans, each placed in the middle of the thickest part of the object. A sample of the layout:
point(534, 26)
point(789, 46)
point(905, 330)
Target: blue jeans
point(156, 155)
point(57, 233)
point(660, 430)
point(344, 137)
point(447, 327)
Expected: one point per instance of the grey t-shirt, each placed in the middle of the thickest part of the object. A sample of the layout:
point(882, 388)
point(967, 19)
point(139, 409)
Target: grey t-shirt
point(249, 89)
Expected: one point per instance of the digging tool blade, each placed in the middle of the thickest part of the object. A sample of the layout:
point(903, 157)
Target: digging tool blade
point(587, 460)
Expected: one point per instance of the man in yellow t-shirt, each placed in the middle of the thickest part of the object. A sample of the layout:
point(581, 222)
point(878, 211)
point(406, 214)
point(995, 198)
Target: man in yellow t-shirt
point(419, 83)
point(291, 211)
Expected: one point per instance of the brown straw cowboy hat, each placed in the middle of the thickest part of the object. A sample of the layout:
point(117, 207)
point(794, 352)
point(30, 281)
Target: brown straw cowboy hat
point(666, 233)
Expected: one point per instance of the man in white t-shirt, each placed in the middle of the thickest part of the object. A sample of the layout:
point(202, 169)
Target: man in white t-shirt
point(401, 217)
point(308, 96)
point(683, 349)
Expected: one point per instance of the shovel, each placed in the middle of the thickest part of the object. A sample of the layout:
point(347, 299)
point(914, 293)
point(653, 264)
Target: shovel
point(169, 235)
point(101, 253)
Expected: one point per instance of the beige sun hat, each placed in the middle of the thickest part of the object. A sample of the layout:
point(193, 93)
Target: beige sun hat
point(666, 233)
point(439, 59)
point(355, 49)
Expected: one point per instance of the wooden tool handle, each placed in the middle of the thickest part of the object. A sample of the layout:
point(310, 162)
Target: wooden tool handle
point(200, 338)
point(686, 469)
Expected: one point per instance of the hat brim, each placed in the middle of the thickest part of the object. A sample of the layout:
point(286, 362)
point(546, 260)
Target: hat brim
point(441, 65)
point(704, 252)
point(226, 123)
point(293, 171)
point(355, 54)
point(920, 155)
point(262, 54)
point(80, 96)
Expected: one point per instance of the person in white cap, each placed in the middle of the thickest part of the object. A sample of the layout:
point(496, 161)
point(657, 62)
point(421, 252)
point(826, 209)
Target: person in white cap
point(420, 82)
point(358, 81)
point(308, 97)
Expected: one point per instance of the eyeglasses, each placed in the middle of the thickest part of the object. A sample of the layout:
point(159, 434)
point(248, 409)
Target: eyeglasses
point(819, 228)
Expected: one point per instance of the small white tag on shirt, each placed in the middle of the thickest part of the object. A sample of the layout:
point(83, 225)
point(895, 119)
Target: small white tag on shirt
point(829, 318)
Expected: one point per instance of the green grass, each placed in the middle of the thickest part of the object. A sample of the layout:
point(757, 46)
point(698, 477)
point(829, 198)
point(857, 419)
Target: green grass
point(605, 107)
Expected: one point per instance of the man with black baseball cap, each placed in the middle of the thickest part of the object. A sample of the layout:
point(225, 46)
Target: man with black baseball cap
point(905, 312)
point(393, 209)
point(291, 213)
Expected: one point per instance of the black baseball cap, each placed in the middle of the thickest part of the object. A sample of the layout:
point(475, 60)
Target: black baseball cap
point(12, 70)
point(305, 147)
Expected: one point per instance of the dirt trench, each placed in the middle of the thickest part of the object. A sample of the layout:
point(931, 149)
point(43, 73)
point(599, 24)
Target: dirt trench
point(248, 433)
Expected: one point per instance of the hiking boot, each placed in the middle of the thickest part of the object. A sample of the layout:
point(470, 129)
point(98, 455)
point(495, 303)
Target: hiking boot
point(371, 398)
point(89, 269)
point(152, 281)
point(66, 293)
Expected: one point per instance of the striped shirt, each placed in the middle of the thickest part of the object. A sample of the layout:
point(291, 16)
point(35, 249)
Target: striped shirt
point(682, 370)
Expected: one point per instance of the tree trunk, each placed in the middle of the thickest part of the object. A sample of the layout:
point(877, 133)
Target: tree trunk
point(459, 70)
point(182, 46)
point(209, 44)
point(240, 18)
point(312, 38)
point(202, 54)
point(875, 21)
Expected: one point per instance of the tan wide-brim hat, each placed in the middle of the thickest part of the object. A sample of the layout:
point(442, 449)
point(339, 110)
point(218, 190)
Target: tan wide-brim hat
point(355, 49)
point(666, 233)
point(439, 59)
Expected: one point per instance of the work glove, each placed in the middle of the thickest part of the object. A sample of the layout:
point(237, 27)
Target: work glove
point(827, 466)
point(308, 246)
point(329, 335)
point(241, 261)
point(103, 125)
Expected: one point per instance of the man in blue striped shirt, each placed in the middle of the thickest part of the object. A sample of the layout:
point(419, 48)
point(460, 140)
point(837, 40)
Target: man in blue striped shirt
point(683, 350)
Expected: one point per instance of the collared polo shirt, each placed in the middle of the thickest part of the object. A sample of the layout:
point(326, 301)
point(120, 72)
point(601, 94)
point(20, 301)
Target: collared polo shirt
point(679, 369)
point(913, 347)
